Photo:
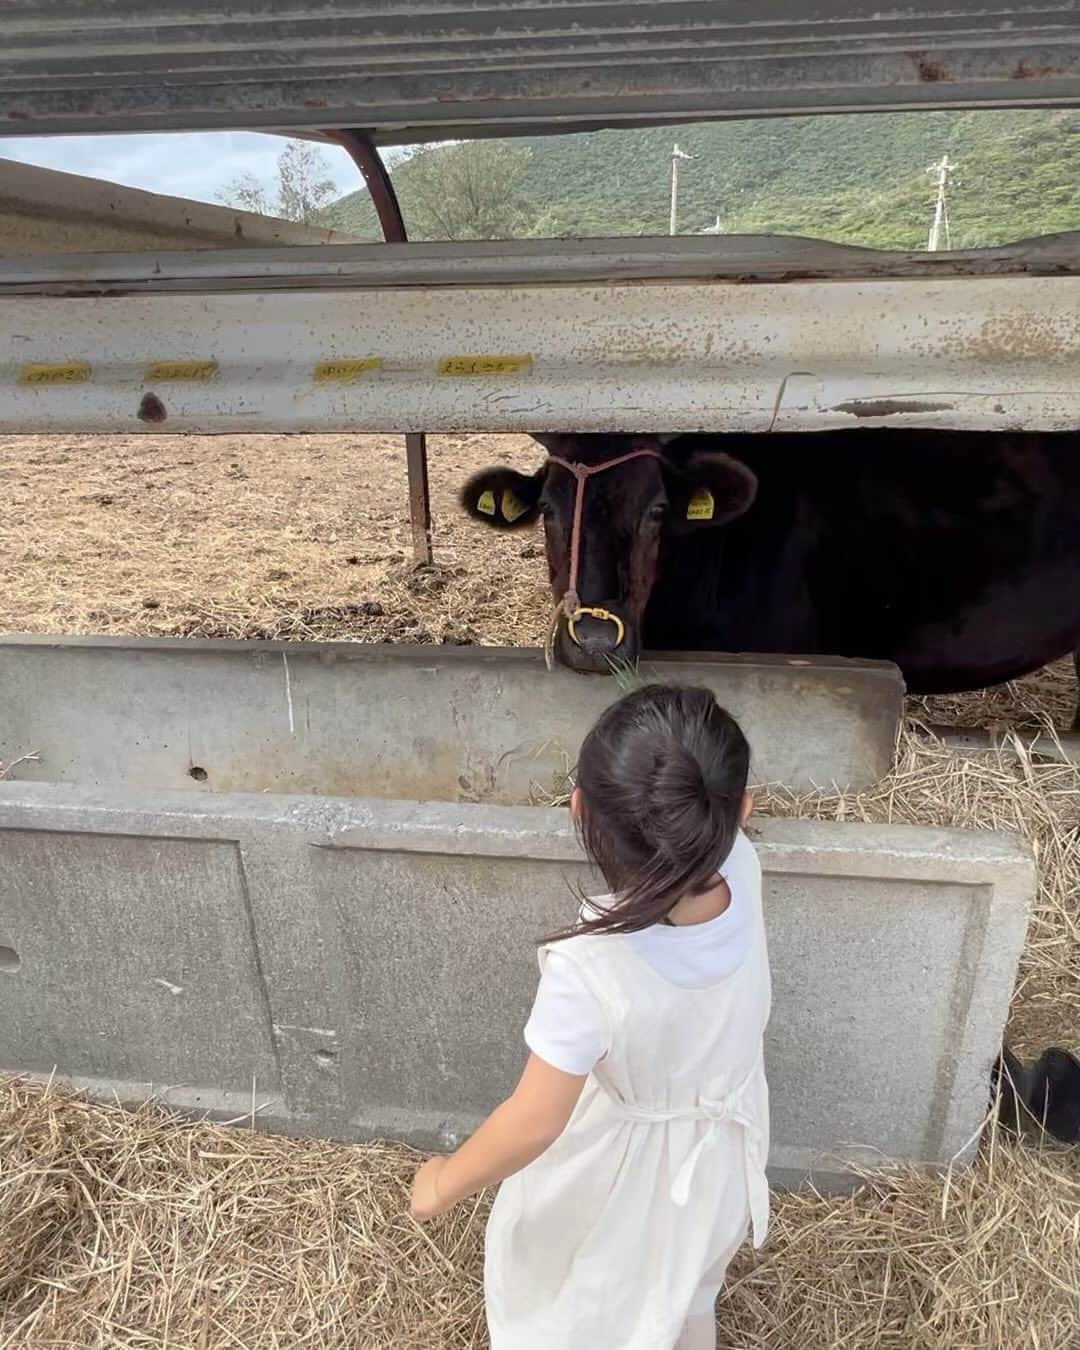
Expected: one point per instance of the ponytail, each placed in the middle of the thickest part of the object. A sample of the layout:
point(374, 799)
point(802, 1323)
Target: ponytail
point(662, 777)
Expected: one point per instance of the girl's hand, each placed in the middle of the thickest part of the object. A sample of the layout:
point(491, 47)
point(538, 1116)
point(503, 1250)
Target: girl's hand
point(514, 1135)
point(425, 1202)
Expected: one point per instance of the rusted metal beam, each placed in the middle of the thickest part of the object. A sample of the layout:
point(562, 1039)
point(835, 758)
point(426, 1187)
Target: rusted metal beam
point(989, 353)
point(361, 150)
point(503, 263)
point(427, 70)
point(392, 223)
point(419, 498)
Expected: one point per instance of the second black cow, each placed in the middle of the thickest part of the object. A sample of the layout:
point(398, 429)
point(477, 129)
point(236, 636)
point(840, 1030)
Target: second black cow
point(954, 554)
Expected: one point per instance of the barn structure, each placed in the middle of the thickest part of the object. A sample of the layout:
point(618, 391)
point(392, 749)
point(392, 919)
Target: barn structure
point(368, 76)
point(344, 1035)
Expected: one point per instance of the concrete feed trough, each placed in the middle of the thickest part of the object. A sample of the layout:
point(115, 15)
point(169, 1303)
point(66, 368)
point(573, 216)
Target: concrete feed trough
point(187, 906)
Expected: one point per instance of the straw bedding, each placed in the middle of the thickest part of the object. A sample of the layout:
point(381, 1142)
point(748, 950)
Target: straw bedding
point(134, 1229)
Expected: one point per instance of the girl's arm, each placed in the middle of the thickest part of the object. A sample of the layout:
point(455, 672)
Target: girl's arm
point(514, 1135)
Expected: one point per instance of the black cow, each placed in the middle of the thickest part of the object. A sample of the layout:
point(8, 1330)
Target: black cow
point(1044, 1094)
point(954, 554)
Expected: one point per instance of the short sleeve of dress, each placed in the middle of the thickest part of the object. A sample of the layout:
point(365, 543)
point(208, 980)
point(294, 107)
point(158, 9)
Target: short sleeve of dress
point(566, 1027)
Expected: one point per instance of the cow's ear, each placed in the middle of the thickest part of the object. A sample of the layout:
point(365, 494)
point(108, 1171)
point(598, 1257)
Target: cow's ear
point(503, 498)
point(709, 489)
point(554, 442)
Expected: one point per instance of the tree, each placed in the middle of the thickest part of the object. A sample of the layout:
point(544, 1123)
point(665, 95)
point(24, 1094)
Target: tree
point(305, 182)
point(248, 194)
point(468, 190)
point(303, 187)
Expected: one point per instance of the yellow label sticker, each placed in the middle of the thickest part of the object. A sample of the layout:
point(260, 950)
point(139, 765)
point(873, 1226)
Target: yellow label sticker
point(485, 365)
point(158, 372)
point(701, 505)
point(486, 503)
point(513, 508)
point(60, 372)
point(346, 369)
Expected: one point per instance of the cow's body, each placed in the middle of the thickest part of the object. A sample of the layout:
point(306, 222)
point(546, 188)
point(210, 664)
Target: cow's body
point(954, 554)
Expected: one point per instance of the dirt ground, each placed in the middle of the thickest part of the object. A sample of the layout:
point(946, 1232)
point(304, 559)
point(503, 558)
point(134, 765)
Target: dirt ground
point(297, 537)
point(256, 536)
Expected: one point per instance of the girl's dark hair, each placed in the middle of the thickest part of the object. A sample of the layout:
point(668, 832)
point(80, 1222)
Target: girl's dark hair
point(662, 777)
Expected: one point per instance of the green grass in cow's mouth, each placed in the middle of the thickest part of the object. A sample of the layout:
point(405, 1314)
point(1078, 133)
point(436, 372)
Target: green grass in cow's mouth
point(626, 674)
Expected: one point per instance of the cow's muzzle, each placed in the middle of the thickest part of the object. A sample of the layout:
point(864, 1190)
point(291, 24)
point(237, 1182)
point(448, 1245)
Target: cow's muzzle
point(592, 637)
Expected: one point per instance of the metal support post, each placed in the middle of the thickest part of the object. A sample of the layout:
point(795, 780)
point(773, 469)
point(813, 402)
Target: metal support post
point(384, 199)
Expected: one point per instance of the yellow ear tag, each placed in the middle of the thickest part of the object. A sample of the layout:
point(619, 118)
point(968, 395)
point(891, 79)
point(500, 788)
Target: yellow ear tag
point(701, 505)
point(513, 508)
point(485, 503)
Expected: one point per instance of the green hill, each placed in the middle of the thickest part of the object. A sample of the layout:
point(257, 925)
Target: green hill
point(859, 179)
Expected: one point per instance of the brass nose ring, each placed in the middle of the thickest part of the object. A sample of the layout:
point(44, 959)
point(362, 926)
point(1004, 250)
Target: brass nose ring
point(597, 613)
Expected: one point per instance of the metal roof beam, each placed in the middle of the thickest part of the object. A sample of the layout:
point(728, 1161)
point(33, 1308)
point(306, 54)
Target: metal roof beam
point(432, 69)
point(738, 259)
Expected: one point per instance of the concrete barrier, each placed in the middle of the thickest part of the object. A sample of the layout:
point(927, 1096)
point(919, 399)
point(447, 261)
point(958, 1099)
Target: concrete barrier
point(362, 966)
point(355, 719)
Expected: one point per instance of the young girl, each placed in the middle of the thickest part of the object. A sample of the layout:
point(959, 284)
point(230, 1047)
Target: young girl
point(633, 1149)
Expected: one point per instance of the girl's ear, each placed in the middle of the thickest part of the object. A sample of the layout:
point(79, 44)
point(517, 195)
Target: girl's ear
point(575, 804)
point(747, 807)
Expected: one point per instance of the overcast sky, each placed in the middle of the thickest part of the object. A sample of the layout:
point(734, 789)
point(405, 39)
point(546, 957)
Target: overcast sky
point(196, 164)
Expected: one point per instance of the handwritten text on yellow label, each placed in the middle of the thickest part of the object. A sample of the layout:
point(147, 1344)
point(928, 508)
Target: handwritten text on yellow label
point(345, 369)
point(701, 506)
point(158, 372)
point(485, 365)
point(61, 372)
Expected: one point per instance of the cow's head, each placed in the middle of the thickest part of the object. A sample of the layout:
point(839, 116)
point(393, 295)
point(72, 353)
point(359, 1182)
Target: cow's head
point(631, 512)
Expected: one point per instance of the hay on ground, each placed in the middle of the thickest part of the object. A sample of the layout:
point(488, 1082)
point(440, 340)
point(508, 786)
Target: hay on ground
point(123, 1228)
point(294, 537)
point(133, 1229)
point(1048, 694)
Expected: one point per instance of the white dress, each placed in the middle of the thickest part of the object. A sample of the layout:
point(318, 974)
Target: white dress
point(626, 1225)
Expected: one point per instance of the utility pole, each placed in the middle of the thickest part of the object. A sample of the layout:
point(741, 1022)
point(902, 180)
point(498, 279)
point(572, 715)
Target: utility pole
point(676, 156)
point(944, 171)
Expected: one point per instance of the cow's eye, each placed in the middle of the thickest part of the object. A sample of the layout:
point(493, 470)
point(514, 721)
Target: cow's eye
point(657, 513)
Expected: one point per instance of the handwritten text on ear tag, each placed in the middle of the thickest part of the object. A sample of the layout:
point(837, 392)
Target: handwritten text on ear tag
point(701, 505)
point(485, 503)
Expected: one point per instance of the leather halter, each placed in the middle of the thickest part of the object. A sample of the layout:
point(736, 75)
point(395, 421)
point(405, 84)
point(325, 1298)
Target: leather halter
point(570, 606)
